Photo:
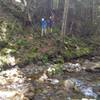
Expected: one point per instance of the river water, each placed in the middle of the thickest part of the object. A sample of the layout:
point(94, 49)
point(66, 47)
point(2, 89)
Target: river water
point(47, 91)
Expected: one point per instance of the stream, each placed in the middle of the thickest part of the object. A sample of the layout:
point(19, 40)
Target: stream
point(74, 80)
point(46, 90)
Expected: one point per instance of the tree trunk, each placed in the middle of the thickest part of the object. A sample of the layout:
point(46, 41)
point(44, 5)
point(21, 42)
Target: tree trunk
point(93, 11)
point(64, 22)
point(64, 25)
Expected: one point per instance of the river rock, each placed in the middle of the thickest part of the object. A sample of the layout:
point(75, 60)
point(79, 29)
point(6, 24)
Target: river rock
point(68, 84)
point(33, 69)
point(14, 85)
point(53, 81)
point(11, 95)
point(43, 78)
point(80, 86)
point(70, 67)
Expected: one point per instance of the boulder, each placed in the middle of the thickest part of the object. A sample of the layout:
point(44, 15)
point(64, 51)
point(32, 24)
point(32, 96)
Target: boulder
point(69, 84)
point(15, 86)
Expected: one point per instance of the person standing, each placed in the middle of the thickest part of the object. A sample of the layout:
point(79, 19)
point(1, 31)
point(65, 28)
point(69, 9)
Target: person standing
point(50, 23)
point(44, 26)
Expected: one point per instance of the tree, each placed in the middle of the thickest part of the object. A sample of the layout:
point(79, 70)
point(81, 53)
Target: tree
point(64, 21)
point(15, 7)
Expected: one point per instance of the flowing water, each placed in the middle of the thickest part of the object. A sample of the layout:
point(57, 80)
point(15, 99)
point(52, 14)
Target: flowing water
point(47, 91)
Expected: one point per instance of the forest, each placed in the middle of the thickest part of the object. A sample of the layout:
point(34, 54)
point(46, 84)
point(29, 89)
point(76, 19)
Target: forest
point(49, 49)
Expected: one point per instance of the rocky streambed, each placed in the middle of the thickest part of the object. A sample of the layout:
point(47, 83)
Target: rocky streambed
point(69, 81)
point(50, 83)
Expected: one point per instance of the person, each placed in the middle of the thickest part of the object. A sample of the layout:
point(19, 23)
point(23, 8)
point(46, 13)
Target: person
point(44, 26)
point(50, 23)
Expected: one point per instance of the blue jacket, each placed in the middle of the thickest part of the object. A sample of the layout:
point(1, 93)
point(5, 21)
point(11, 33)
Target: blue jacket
point(44, 24)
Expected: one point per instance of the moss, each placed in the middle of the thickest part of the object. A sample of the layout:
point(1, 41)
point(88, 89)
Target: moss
point(56, 69)
point(69, 53)
point(82, 51)
point(22, 42)
point(75, 47)
point(59, 60)
point(56, 30)
point(32, 53)
point(45, 58)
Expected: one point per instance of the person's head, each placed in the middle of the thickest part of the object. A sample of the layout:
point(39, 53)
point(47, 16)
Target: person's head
point(50, 17)
point(43, 19)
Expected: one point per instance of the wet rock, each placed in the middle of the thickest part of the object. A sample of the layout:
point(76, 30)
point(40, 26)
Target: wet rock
point(53, 81)
point(84, 89)
point(43, 78)
point(88, 92)
point(81, 87)
point(70, 67)
point(91, 66)
point(69, 98)
point(14, 85)
point(88, 64)
point(11, 95)
point(59, 92)
point(45, 91)
point(94, 70)
point(33, 69)
point(68, 84)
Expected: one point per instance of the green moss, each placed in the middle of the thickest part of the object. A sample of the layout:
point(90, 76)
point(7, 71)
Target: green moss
point(45, 58)
point(32, 53)
point(56, 69)
point(60, 60)
point(82, 51)
point(69, 53)
point(22, 42)
point(75, 47)
point(56, 30)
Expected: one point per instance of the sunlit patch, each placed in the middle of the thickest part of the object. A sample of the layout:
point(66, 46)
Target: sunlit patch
point(3, 31)
point(19, 1)
point(6, 57)
point(7, 60)
point(11, 60)
point(79, 0)
point(43, 77)
point(14, 85)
